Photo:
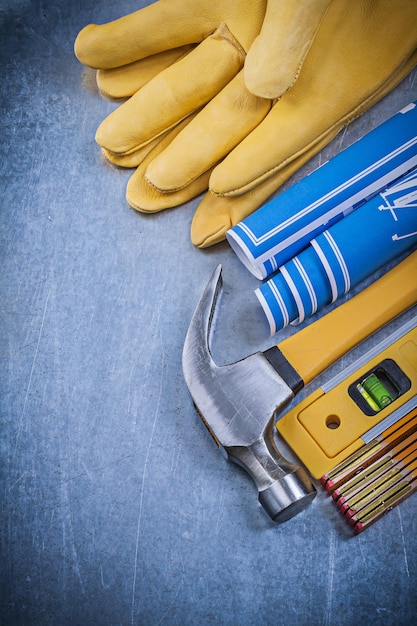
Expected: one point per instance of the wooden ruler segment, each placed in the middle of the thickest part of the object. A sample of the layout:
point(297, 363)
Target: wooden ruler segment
point(383, 482)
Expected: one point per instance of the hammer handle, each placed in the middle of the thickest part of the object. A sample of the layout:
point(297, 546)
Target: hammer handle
point(313, 349)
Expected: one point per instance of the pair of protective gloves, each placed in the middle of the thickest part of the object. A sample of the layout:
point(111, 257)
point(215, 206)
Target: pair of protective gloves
point(231, 97)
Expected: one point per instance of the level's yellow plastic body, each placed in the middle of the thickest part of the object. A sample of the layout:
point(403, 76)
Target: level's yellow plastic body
point(313, 349)
point(325, 428)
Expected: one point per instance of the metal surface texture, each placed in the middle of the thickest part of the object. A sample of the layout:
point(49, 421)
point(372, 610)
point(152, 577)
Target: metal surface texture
point(116, 508)
point(239, 403)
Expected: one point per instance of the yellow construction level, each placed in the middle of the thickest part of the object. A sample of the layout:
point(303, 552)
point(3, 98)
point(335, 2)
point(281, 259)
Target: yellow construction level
point(340, 417)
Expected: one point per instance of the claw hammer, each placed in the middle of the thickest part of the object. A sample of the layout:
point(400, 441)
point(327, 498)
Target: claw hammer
point(240, 402)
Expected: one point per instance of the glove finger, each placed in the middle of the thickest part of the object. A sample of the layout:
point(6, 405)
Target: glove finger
point(275, 57)
point(163, 25)
point(173, 94)
point(158, 27)
point(134, 159)
point(124, 81)
point(216, 130)
point(341, 77)
point(144, 197)
point(216, 214)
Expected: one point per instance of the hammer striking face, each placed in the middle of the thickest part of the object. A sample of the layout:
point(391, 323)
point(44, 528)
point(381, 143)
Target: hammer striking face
point(239, 402)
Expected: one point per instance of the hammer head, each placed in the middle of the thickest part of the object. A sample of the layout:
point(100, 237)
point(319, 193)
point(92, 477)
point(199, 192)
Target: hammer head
point(238, 403)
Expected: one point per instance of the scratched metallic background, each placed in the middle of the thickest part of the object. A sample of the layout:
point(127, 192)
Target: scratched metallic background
point(117, 508)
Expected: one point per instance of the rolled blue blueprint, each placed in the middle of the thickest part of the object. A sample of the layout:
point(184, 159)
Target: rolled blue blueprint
point(342, 256)
point(281, 228)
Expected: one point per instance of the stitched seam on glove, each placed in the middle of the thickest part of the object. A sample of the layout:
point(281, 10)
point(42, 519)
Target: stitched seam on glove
point(222, 32)
point(181, 187)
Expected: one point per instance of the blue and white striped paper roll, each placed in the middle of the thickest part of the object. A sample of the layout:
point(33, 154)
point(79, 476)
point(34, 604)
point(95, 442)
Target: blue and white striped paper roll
point(284, 226)
point(342, 256)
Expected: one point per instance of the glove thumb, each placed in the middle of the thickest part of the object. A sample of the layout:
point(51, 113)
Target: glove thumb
point(277, 54)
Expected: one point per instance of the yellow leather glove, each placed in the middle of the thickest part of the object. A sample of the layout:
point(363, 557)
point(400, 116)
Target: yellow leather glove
point(173, 58)
point(361, 51)
point(222, 29)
